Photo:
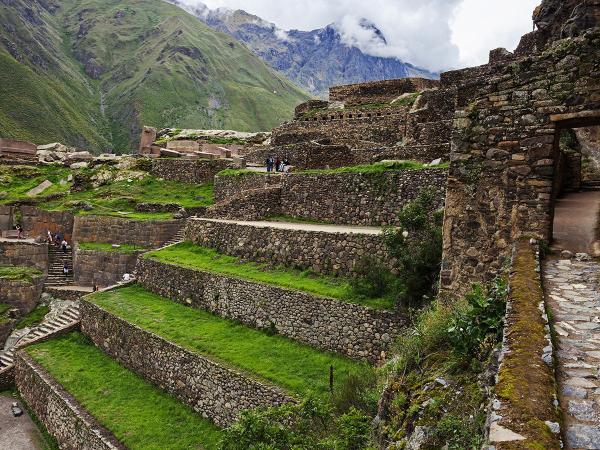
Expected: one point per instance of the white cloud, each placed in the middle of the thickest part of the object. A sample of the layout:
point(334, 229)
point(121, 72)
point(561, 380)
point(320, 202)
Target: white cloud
point(435, 34)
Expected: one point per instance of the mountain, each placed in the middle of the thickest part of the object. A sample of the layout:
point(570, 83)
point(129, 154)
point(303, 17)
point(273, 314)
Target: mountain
point(314, 60)
point(90, 73)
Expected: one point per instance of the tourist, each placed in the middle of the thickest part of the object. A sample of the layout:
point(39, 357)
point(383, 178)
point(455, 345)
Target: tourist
point(126, 278)
point(66, 270)
point(277, 164)
point(64, 244)
point(282, 166)
point(59, 236)
point(95, 288)
point(270, 164)
point(49, 237)
point(19, 232)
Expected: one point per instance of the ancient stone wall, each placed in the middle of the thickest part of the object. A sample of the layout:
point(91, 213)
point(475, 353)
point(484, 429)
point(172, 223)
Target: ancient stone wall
point(378, 91)
point(93, 267)
point(504, 152)
point(24, 253)
point(188, 171)
point(6, 217)
point(322, 252)
point(257, 204)
point(22, 295)
point(209, 388)
point(63, 417)
point(343, 198)
point(116, 230)
point(329, 324)
point(227, 187)
point(369, 127)
point(36, 222)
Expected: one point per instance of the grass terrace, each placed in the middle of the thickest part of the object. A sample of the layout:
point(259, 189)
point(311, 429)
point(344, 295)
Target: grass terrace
point(137, 413)
point(295, 367)
point(195, 257)
point(106, 247)
point(34, 318)
point(18, 273)
point(117, 195)
point(380, 167)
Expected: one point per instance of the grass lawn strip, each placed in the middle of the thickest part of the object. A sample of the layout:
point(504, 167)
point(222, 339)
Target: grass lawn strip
point(105, 247)
point(140, 415)
point(295, 367)
point(19, 273)
point(194, 257)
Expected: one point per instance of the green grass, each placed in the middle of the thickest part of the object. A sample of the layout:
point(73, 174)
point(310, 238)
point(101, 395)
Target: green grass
point(4, 308)
point(380, 167)
point(104, 247)
point(34, 318)
point(298, 368)
point(140, 415)
point(195, 257)
point(18, 273)
point(116, 198)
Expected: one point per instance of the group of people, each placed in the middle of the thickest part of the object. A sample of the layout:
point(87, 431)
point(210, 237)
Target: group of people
point(276, 164)
point(58, 239)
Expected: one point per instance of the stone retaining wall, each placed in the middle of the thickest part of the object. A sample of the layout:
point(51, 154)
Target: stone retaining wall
point(230, 186)
point(93, 267)
point(209, 388)
point(36, 222)
point(22, 253)
point(21, 295)
point(329, 324)
point(116, 230)
point(343, 198)
point(189, 171)
point(257, 204)
point(62, 415)
point(322, 252)
point(378, 91)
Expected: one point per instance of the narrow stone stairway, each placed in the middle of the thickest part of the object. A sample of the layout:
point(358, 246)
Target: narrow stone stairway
point(56, 262)
point(177, 238)
point(69, 318)
point(573, 290)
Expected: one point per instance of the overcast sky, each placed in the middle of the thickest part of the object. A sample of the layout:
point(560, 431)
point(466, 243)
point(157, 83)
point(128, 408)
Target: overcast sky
point(435, 34)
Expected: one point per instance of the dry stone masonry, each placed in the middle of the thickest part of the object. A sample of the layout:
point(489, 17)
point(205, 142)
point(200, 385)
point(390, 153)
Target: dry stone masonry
point(102, 268)
point(325, 323)
point(210, 388)
point(323, 252)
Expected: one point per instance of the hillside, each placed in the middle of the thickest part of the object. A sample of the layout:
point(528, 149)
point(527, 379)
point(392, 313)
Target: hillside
point(91, 72)
point(314, 60)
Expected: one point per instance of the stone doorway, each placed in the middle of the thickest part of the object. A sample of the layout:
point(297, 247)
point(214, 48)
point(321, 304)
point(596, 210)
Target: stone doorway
point(576, 188)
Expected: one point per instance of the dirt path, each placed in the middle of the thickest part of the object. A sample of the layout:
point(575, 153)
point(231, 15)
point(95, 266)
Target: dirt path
point(573, 290)
point(575, 220)
point(17, 433)
point(305, 226)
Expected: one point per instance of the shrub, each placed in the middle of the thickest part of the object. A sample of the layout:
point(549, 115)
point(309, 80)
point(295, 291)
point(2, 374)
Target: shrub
point(417, 249)
point(478, 325)
point(372, 279)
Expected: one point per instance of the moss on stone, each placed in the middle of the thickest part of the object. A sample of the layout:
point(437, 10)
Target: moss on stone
point(526, 384)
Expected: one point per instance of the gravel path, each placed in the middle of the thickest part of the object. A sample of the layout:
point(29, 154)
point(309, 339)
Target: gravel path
point(573, 289)
point(17, 433)
point(304, 226)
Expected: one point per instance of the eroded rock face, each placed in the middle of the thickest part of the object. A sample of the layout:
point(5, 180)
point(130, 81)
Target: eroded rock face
point(559, 19)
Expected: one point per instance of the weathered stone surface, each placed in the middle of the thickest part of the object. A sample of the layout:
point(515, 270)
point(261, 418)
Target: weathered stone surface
point(329, 324)
point(22, 295)
point(323, 252)
point(344, 198)
point(24, 253)
point(211, 389)
point(189, 171)
point(97, 268)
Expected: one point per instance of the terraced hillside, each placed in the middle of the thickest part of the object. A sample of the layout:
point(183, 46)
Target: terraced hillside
point(90, 73)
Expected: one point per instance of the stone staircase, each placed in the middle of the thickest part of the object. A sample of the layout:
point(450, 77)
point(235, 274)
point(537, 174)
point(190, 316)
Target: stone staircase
point(67, 320)
point(56, 262)
point(177, 238)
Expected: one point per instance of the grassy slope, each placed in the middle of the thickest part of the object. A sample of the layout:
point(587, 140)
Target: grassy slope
point(195, 257)
point(175, 71)
point(162, 66)
point(45, 96)
point(139, 414)
point(17, 273)
point(104, 247)
point(115, 198)
point(294, 366)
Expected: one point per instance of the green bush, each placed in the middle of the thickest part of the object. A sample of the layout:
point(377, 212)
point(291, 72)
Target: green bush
point(372, 279)
point(477, 326)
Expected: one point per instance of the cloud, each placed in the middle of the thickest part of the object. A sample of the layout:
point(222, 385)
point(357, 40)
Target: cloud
point(434, 34)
